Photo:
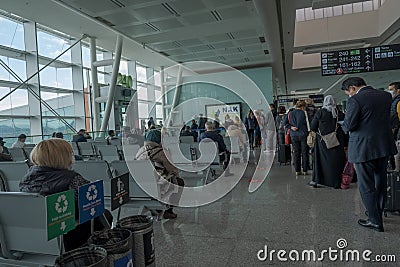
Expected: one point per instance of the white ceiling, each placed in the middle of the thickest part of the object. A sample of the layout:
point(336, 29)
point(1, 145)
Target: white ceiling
point(239, 33)
point(225, 31)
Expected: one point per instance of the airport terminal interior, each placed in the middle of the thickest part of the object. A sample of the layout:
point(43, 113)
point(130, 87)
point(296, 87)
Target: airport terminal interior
point(170, 126)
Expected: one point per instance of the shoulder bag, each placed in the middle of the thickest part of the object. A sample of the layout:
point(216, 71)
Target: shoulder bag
point(312, 136)
point(330, 139)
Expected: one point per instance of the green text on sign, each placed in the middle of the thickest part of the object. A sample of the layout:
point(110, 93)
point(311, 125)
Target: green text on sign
point(60, 213)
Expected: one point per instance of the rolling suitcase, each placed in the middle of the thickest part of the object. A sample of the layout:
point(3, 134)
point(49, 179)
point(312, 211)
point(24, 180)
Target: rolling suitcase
point(284, 154)
point(393, 192)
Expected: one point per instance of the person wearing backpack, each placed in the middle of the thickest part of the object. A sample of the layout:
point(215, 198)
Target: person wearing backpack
point(394, 90)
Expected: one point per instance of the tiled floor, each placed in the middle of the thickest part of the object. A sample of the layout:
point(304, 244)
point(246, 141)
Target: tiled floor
point(284, 213)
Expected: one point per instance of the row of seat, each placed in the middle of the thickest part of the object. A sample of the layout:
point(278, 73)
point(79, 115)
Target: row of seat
point(20, 154)
point(190, 140)
point(104, 151)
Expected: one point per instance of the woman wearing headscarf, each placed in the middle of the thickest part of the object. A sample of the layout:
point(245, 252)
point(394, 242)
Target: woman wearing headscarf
point(154, 151)
point(328, 164)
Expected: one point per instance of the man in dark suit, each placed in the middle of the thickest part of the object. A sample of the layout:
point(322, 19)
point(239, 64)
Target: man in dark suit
point(370, 145)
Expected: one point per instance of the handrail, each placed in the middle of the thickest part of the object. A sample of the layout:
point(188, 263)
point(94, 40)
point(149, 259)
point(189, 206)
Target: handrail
point(32, 91)
point(45, 66)
point(37, 96)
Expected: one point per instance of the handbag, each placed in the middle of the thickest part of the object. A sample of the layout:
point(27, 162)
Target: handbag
point(312, 136)
point(347, 175)
point(288, 141)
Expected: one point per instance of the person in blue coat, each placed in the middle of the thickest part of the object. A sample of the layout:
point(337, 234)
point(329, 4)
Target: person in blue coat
point(370, 145)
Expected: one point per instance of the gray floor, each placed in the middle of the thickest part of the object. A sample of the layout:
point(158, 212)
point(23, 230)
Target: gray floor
point(285, 213)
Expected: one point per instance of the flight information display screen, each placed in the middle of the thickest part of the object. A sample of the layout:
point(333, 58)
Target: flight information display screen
point(369, 59)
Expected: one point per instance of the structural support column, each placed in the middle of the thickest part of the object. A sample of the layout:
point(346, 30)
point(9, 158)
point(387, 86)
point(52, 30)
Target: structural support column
point(113, 82)
point(178, 87)
point(174, 116)
point(150, 93)
point(108, 56)
point(32, 67)
point(162, 92)
point(95, 86)
point(77, 82)
point(132, 118)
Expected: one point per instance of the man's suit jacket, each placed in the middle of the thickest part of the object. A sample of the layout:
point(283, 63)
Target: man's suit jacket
point(368, 121)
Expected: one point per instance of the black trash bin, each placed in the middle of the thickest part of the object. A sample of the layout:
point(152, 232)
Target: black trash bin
point(117, 243)
point(83, 257)
point(141, 227)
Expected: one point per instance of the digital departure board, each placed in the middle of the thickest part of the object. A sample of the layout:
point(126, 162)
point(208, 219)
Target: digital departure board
point(379, 58)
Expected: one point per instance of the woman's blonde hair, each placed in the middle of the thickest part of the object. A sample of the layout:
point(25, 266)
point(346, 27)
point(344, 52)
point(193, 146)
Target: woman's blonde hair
point(301, 104)
point(53, 153)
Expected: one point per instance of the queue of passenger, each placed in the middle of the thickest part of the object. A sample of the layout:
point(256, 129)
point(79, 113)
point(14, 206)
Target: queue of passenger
point(371, 121)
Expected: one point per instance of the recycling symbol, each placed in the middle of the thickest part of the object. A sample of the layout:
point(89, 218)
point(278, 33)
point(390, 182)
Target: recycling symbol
point(91, 194)
point(61, 205)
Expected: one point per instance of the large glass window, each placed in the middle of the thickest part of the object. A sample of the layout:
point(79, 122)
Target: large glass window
point(123, 67)
point(51, 125)
point(51, 46)
point(17, 65)
point(158, 95)
point(141, 73)
point(56, 77)
point(308, 13)
point(56, 87)
point(11, 33)
point(10, 127)
point(15, 104)
point(143, 110)
point(62, 103)
point(157, 79)
point(142, 92)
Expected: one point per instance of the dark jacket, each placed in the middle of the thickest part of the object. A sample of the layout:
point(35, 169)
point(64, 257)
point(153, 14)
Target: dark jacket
point(297, 119)
point(47, 181)
point(250, 123)
point(5, 150)
point(368, 121)
point(194, 126)
point(311, 110)
point(5, 157)
point(216, 137)
point(216, 124)
point(324, 122)
point(202, 123)
point(79, 138)
point(279, 123)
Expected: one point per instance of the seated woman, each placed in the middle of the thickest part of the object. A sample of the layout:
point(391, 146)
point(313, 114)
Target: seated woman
point(329, 163)
point(51, 173)
point(153, 151)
